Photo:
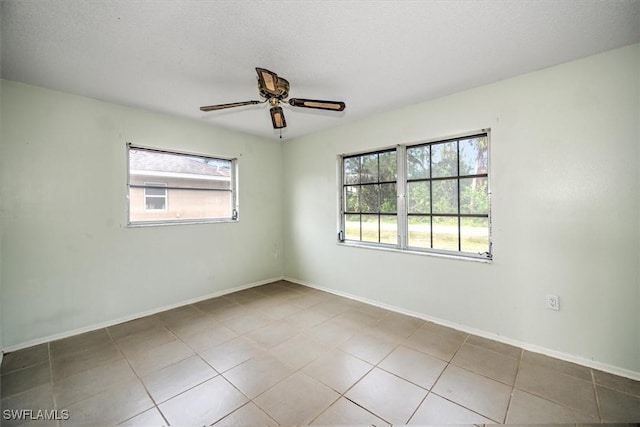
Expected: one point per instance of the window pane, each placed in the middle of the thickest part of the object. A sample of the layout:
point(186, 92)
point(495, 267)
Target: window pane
point(152, 190)
point(445, 233)
point(184, 170)
point(388, 198)
point(418, 162)
point(369, 198)
point(474, 233)
point(474, 156)
point(444, 159)
point(388, 229)
point(155, 203)
point(352, 227)
point(420, 231)
point(419, 197)
point(370, 228)
point(474, 198)
point(369, 171)
point(352, 170)
point(169, 187)
point(198, 204)
point(388, 166)
point(446, 188)
point(445, 196)
point(351, 198)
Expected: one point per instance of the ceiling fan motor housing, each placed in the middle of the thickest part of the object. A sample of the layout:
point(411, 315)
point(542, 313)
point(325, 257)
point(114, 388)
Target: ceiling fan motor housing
point(282, 90)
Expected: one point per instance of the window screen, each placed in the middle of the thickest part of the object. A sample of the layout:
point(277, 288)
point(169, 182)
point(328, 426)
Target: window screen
point(171, 187)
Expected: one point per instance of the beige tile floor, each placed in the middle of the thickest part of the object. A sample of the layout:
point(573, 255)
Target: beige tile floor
point(287, 354)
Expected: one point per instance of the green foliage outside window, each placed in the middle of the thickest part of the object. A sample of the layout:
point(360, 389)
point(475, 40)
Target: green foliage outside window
point(447, 195)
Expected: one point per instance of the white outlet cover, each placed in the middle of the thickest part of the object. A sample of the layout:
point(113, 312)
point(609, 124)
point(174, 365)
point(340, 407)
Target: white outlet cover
point(552, 302)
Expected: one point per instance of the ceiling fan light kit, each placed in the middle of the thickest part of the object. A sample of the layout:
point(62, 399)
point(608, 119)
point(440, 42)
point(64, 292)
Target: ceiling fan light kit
point(277, 118)
point(275, 89)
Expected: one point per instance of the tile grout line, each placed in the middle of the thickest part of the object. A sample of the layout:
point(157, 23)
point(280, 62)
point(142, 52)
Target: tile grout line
point(28, 366)
point(295, 371)
point(365, 409)
point(413, 414)
point(470, 371)
point(430, 390)
point(218, 374)
point(513, 387)
point(343, 394)
point(53, 394)
point(462, 406)
point(325, 409)
point(440, 376)
point(252, 400)
point(595, 392)
point(155, 405)
point(548, 398)
point(374, 366)
point(248, 402)
point(72, 375)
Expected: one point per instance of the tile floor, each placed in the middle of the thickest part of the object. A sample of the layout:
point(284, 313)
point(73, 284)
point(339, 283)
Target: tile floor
point(287, 354)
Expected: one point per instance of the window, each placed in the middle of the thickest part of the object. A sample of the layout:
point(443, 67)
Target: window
point(428, 197)
point(155, 196)
point(369, 192)
point(168, 187)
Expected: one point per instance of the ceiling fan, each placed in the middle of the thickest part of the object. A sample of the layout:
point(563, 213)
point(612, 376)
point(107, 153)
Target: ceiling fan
point(274, 90)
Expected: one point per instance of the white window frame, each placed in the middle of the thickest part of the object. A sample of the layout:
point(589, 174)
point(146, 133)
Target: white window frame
point(154, 196)
point(402, 202)
point(235, 200)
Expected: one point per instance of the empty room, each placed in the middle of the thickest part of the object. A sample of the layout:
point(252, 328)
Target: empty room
point(319, 212)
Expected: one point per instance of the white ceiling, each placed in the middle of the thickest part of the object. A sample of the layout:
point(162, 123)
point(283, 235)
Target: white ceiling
point(174, 56)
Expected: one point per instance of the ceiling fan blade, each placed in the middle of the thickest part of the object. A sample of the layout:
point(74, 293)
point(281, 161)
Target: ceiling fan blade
point(231, 105)
point(316, 103)
point(277, 118)
point(267, 81)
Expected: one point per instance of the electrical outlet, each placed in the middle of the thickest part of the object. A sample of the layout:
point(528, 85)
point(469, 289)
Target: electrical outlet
point(553, 302)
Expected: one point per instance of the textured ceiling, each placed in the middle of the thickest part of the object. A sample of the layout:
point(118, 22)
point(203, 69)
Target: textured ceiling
point(174, 56)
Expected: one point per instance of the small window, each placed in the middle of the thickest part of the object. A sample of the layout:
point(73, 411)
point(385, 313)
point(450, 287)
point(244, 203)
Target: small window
point(155, 196)
point(169, 187)
point(428, 197)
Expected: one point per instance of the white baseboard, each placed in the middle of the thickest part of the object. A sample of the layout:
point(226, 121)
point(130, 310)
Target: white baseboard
point(94, 327)
point(529, 347)
point(495, 337)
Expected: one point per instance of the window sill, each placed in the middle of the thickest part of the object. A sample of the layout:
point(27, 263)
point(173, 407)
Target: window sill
point(415, 252)
point(173, 223)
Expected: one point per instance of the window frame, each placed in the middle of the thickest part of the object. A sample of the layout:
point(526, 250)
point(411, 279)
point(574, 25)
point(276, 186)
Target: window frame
point(402, 211)
point(233, 182)
point(379, 182)
point(162, 185)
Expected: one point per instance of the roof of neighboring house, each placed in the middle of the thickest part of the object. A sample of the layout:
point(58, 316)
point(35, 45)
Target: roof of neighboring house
point(147, 160)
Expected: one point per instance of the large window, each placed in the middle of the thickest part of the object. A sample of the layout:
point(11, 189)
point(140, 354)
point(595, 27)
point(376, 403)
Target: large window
point(168, 187)
point(428, 197)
